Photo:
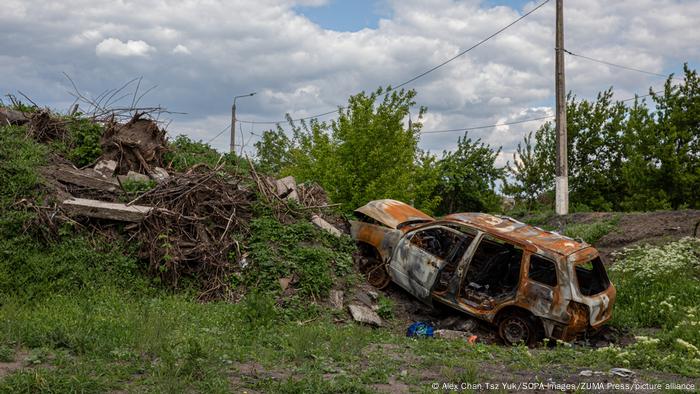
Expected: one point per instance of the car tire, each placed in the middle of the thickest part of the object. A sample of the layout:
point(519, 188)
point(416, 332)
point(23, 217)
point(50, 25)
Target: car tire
point(517, 329)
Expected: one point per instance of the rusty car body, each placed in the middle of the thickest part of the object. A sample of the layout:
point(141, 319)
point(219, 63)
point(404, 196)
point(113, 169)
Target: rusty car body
point(529, 282)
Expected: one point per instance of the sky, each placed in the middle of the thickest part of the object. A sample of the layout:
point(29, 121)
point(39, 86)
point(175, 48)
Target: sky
point(305, 57)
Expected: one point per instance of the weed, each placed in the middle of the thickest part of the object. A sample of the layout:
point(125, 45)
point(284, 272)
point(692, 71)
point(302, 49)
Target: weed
point(135, 186)
point(7, 353)
point(385, 307)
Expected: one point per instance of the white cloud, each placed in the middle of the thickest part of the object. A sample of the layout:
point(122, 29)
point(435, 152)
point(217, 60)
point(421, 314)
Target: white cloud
point(116, 47)
point(297, 66)
point(181, 49)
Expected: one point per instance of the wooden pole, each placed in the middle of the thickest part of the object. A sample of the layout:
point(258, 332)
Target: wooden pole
point(562, 168)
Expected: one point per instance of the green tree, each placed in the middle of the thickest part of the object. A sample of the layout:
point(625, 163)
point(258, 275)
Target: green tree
point(273, 151)
point(468, 177)
point(595, 151)
point(531, 174)
point(677, 142)
point(367, 153)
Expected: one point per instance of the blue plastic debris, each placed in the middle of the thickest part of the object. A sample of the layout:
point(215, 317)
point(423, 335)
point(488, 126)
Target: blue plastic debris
point(420, 330)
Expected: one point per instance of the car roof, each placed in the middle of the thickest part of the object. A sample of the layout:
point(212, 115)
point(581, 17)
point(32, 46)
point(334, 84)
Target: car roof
point(516, 231)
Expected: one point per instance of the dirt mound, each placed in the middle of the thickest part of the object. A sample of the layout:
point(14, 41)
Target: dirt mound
point(637, 227)
point(136, 146)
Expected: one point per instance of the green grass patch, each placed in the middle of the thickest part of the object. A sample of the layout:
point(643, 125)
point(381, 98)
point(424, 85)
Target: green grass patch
point(591, 232)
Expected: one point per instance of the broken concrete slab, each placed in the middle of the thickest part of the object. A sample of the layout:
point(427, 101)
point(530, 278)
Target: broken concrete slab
point(362, 314)
point(105, 168)
point(105, 210)
point(336, 299)
point(362, 297)
point(86, 178)
point(324, 225)
point(287, 188)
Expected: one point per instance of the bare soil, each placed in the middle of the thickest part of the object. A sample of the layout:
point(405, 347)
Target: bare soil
point(636, 228)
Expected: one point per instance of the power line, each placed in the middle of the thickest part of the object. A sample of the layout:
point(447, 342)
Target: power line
point(218, 135)
point(487, 126)
point(293, 120)
point(615, 65)
point(524, 120)
point(424, 73)
point(472, 47)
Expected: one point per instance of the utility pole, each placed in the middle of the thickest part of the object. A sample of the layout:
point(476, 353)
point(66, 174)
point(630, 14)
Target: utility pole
point(232, 146)
point(562, 167)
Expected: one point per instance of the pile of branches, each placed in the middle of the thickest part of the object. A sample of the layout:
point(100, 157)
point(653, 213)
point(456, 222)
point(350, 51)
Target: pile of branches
point(192, 230)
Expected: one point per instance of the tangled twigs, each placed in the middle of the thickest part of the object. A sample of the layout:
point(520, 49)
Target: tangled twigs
point(190, 232)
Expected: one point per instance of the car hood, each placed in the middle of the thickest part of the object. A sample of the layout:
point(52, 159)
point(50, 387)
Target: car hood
point(392, 213)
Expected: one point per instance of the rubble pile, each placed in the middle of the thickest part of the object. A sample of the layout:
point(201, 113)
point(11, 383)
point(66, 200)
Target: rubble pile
point(189, 224)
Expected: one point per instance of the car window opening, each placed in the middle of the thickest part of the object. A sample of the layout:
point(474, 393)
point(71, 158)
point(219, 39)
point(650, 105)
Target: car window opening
point(452, 262)
point(493, 273)
point(591, 277)
point(438, 241)
point(542, 270)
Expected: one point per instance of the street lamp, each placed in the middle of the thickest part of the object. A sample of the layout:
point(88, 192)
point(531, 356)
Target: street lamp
point(232, 148)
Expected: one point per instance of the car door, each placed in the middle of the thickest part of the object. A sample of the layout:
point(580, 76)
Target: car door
point(420, 256)
point(542, 284)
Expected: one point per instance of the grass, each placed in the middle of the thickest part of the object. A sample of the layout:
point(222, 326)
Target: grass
point(81, 315)
point(591, 232)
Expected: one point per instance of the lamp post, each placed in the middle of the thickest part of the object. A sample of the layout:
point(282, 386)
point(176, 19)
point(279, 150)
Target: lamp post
point(232, 147)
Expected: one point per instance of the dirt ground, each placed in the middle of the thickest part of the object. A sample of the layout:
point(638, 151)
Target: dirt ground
point(636, 228)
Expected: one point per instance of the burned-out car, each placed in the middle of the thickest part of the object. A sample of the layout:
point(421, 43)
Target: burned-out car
point(529, 282)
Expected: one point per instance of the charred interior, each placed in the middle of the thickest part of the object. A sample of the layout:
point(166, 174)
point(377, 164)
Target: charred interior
point(493, 273)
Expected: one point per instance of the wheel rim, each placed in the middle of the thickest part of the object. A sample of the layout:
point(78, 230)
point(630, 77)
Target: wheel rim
point(515, 330)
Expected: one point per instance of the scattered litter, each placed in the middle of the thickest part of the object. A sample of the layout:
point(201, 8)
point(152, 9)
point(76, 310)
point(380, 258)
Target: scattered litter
point(362, 314)
point(284, 283)
point(586, 372)
point(472, 339)
point(622, 372)
point(420, 330)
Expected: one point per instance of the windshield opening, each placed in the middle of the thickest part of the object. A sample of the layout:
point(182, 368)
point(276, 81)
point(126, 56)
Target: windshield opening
point(591, 277)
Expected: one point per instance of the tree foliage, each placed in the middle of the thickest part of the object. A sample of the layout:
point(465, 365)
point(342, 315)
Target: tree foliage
point(368, 153)
point(468, 177)
point(620, 157)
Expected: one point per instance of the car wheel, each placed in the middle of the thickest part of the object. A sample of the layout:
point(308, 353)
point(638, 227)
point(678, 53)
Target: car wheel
point(516, 329)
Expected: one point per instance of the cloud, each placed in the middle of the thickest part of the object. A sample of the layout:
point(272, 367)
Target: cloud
point(117, 48)
point(181, 49)
point(298, 67)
